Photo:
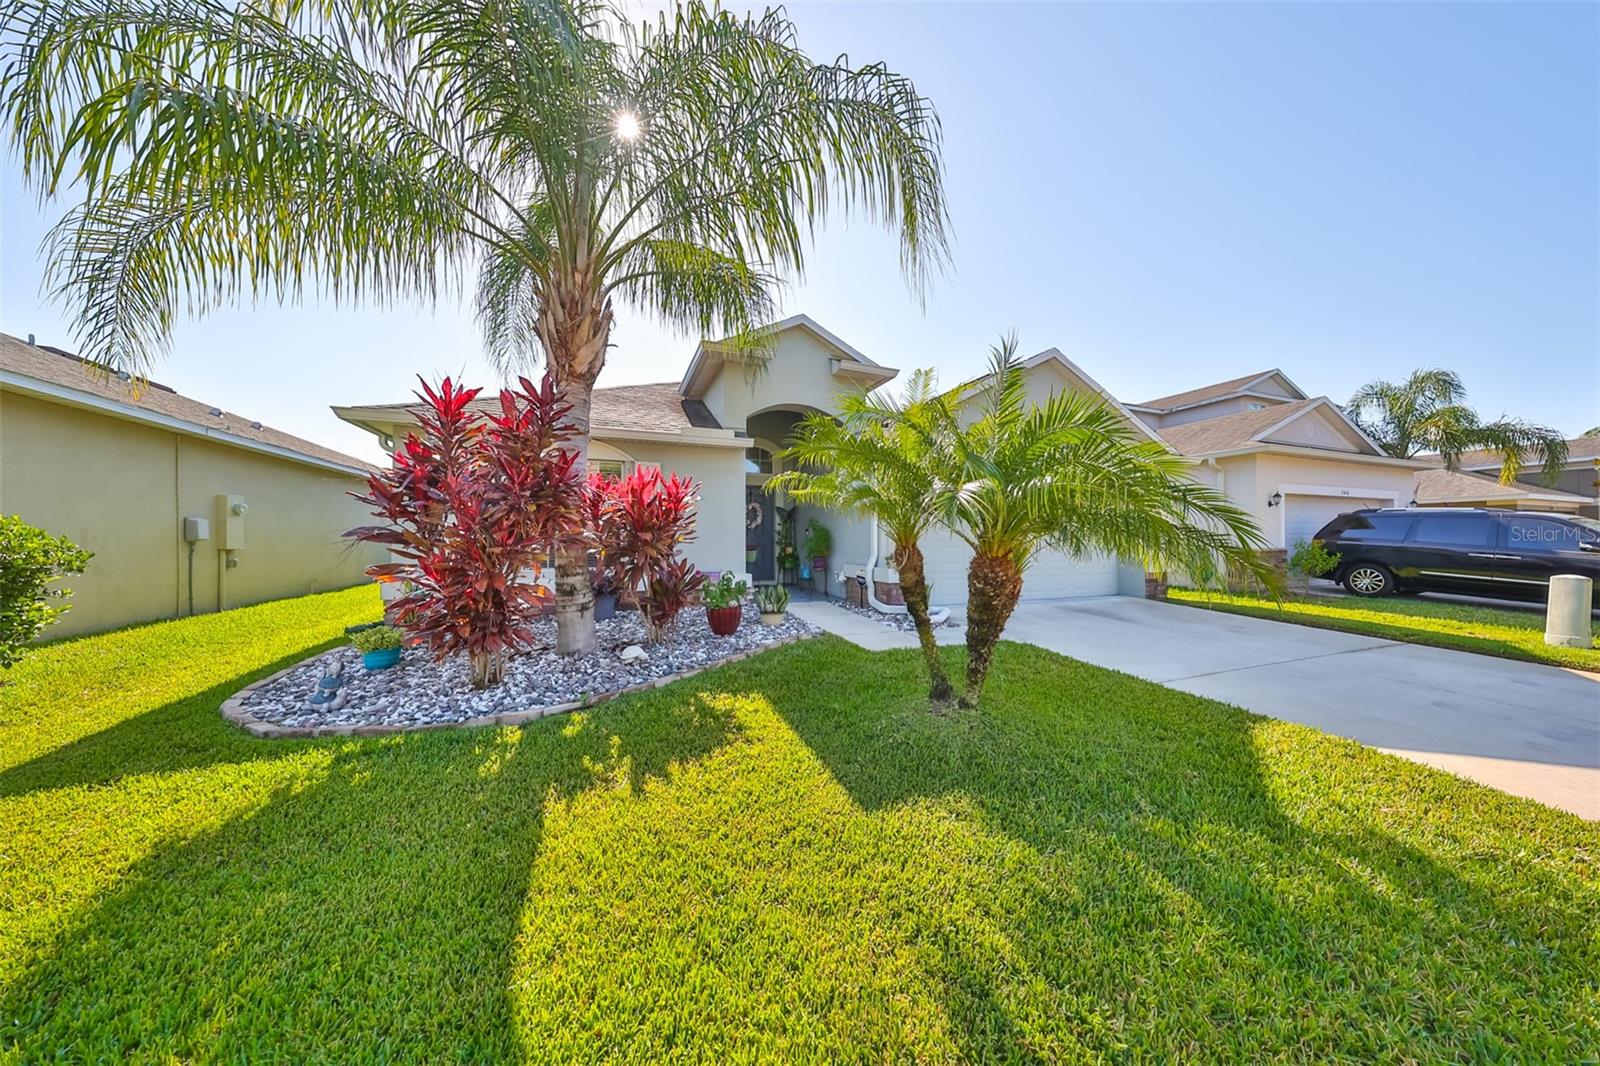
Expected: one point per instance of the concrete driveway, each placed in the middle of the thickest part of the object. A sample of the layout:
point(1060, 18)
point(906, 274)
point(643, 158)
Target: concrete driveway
point(1528, 729)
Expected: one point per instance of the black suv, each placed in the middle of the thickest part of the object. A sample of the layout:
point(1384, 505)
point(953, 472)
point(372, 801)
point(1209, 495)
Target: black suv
point(1507, 554)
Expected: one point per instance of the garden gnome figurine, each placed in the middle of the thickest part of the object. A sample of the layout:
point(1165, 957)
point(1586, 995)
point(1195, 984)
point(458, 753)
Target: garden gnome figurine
point(327, 696)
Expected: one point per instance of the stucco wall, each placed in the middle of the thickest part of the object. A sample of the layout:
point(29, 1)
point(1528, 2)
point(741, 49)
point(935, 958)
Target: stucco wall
point(121, 490)
point(797, 375)
point(719, 529)
point(1252, 479)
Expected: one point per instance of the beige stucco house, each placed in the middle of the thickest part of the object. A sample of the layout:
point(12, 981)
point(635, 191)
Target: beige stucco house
point(1291, 460)
point(118, 470)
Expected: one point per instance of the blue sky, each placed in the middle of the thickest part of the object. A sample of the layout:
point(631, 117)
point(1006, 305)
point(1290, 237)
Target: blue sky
point(1170, 194)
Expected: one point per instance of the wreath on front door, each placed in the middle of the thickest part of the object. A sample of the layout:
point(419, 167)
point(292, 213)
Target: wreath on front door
point(752, 515)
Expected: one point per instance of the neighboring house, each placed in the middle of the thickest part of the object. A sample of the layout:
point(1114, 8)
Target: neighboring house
point(82, 454)
point(1580, 477)
point(1458, 488)
point(1293, 462)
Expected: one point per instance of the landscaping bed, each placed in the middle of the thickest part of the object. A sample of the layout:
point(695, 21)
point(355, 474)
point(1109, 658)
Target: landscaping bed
point(1510, 634)
point(421, 693)
point(788, 858)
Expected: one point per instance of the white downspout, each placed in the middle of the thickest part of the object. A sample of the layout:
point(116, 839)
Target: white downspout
point(1222, 475)
point(936, 615)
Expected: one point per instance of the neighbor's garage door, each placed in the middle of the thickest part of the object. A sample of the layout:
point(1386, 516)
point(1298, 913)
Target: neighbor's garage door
point(1303, 516)
point(1052, 575)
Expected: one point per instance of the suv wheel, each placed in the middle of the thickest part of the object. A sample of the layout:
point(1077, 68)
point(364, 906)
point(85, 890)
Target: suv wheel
point(1368, 579)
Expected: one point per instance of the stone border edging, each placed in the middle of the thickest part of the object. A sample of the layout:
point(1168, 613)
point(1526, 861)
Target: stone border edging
point(233, 708)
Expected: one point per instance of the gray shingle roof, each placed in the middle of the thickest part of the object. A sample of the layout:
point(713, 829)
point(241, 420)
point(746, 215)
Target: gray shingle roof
point(1229, 431)
point(1578, 448)
point(1449, 486)
point(658, 407)
point(61, 368)
point(1204, 392)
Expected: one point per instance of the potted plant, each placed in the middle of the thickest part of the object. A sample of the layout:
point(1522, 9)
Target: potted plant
point(819, 542)
point(379, 646)
point(724, 605)
point(772, 601)
point(750, 554)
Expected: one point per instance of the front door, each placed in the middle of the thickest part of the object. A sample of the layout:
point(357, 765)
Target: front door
point(759, 528)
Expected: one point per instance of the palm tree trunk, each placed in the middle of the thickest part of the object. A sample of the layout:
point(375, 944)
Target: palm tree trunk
point(575, 633)
point(994, 583)
point(575, 331)
point(914, 587)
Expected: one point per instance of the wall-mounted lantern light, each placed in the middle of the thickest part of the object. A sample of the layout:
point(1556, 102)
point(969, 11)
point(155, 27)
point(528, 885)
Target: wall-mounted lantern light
point(1275, 499)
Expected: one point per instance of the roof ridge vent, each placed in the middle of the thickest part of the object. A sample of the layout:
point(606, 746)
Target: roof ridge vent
point(215, 412)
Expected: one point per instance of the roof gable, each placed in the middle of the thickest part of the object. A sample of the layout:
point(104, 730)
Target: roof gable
point(1272, 382)
point(1285, 424)
point(711, 357)
point(1054, 363)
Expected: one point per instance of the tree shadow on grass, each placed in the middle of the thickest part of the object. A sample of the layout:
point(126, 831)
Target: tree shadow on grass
point(364, 912)
point(1154, 873)
point(184, 734)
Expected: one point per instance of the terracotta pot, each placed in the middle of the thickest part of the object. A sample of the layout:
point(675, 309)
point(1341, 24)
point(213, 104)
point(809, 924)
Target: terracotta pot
point(724, 621)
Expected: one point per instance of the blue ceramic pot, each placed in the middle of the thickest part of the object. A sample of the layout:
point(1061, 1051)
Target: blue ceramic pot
point(381, 659)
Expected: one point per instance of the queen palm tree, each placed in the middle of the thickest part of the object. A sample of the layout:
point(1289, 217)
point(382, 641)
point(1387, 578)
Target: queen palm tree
point(1428, 412)
point(1071, 474)
point(878, 458)
point(388, 149)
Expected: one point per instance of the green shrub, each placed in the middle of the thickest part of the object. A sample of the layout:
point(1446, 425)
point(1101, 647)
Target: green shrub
point(819, 541)
point(725, 592)
point(378, 638)
point(1312, 559)
point(29, 560)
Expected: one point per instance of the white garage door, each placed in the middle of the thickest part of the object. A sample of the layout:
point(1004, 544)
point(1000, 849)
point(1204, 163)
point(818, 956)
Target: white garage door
point(1303, 516)
point(1052, 575)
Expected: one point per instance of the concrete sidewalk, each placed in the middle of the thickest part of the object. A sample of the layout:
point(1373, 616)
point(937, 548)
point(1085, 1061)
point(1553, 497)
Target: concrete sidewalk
point(874, 636)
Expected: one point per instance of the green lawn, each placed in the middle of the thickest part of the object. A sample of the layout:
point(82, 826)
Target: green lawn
point(1506, 632)
point(785, 859)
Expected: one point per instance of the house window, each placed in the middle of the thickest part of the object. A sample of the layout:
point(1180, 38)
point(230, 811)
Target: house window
point(757, 461)
point(614, 468)
point(1254, 406)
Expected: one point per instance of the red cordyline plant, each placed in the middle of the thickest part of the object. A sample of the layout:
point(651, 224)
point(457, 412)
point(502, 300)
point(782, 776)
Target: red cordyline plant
point(637, 523)
point(472, 503)
point(675, 585)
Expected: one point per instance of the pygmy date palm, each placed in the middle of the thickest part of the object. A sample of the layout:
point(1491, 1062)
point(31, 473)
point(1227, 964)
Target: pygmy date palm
point(878, 459)
point(1071, 474)
point(1428, 413)
point(391, 149)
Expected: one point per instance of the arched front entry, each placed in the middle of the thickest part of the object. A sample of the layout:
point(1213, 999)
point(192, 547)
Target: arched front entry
point(761, 464)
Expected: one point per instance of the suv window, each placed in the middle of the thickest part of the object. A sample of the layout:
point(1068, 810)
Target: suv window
point(1526, 533)
point(1374, 527)
point(1454, 530)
